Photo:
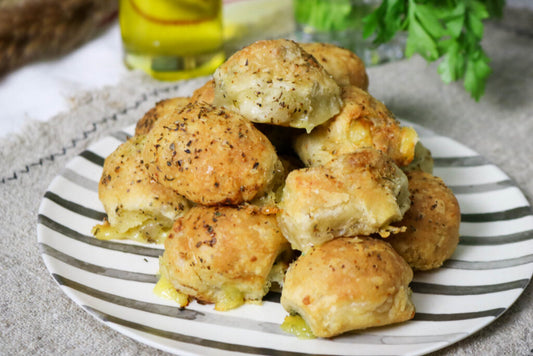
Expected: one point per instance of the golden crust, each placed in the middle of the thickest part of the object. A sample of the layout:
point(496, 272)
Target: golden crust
point(349, 284)
point(363, 122)
point(432, 223)
point(355, 194)
point(277, 82)
point(343, 65)
point(161, 109)
point(129, 195)
point(216, 252)
point(206, 93)
point(211, 156)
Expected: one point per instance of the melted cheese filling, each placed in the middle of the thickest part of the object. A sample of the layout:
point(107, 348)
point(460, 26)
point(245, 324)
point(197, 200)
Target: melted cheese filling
point(149, 230)
point(164, 289)
point(229, 298)
point(296, 325)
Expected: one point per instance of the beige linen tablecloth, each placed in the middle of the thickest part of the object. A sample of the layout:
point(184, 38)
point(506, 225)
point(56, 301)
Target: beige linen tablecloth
point(36, 317)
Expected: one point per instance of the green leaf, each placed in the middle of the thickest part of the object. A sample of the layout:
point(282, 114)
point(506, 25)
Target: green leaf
point(370, 24)
point(446, 70)
point(495, 8)
point(450, 69)
point(396, 14)
point(419, 41)
point(323, 15)
point(453, 9)
point(475, 25)
point(444, 45)
point(426, 15)
point(385, 21)
point(455, 25)
point(452, 16)
point(477, 72)
point(478, 9)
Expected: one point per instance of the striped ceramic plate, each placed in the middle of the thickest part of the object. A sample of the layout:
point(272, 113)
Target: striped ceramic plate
point(113, 280)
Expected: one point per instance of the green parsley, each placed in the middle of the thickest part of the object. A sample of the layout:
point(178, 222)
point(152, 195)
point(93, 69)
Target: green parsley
point(327, 15)
point(450, 30)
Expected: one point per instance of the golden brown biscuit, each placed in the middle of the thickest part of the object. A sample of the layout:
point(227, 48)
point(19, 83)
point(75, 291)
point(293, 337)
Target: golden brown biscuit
point(162, 108)
point(225, 255)
point(343, 65)
point(277, 82)
point(432, 223)
point(205, 93)
point(363, 122)
point(211, 155)
point(137, 207)
point(349, 284)
point(355, 194)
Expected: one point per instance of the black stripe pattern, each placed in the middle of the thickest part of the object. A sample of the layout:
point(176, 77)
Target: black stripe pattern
point(510, 214)
point(74, 207)
point(459, 161)
point(93, 157)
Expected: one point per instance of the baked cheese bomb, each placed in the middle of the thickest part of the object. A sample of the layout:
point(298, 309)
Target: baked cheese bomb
point(162, 108)
point(432, 223)
point(349, 283)
point(211, 156)
point(225, 255)
point(206, 93)
point(277, 82)
point(137, 207)
point(363, 122)
point(343, 65)
point(354, 194)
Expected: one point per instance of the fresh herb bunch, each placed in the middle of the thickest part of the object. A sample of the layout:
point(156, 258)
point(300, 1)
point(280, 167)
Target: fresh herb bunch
point(447, 29)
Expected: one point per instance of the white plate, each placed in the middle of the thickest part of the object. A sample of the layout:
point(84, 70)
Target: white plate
point(113, 280)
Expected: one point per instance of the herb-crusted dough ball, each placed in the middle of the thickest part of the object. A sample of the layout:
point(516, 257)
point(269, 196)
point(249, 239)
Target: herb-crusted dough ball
point(211, 156)
point(432, 223)
point(206, 93)
point(355, 194)
point(277, 82)
point(161, 109)
point(225, 255)
point(363, 122)
point(349, 284)
point(343, 65)
point(132, 199)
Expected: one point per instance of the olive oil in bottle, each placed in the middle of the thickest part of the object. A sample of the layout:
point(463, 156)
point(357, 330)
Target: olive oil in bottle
point(172, 39)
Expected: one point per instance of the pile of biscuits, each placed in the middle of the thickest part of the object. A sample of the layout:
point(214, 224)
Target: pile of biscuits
point(283, 172)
